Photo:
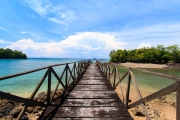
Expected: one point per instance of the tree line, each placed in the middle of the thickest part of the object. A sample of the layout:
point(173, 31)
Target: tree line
point(158, 55)
point(11, 54)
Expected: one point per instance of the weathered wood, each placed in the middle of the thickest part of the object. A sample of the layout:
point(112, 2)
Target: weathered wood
point(114, 76)
point(128, 91)
point(139, 94)
point(66, 79)
point(155, 95)
point(178, 101)
point(49, 88)
point(71, 76)
point(93, 94)
point(59, 79)
point(95, 87)
point(92, 98)
point(22, 112)
point(39, 84)
point(120, 85)
point(121, 78)
point(101, 112)
point(93, 102)
point(100, 82)
point(31, 71)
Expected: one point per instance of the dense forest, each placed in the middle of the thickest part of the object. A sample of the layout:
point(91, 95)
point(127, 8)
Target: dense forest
point(159, 54)
point(11, 54)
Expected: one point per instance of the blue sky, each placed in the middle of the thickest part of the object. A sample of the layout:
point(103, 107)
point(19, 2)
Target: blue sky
point(87, 28)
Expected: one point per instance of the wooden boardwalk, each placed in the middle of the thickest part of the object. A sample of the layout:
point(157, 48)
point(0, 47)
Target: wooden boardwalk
point(92, 98)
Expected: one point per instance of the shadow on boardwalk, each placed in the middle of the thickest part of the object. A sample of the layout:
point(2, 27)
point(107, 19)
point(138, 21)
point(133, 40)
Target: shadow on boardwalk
point(92, 98)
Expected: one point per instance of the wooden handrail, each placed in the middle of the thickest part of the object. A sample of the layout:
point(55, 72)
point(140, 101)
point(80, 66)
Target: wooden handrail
point(112, 68)
point(78, 68)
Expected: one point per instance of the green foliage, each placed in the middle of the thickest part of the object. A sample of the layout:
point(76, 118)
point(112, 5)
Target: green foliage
point(159, 55)
point(10, 54)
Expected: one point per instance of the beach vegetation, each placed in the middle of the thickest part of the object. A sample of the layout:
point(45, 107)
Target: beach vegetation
point(159, 55)
point(11, 54)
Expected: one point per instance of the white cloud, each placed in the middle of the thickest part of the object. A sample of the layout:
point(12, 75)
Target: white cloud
point(3, 28)
point(58, 14)
point(86, 44)
point(5, 42)
point(40, 6)
point(57, 21)
point(157, 34)
point(30, 33)
point(23, 32)
point(144, 45)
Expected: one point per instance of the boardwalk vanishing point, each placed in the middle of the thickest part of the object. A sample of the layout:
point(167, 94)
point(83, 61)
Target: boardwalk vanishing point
point(87, 92)
point(92, 98)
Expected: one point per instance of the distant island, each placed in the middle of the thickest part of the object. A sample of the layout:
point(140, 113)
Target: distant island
point(11, 54)
point(157, 55)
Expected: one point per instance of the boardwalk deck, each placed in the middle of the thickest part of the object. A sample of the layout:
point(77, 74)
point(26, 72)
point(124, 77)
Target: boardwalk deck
point(92, 98)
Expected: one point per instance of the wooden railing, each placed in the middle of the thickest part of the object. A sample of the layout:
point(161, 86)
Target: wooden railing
point(71, 75)
point(111, 71)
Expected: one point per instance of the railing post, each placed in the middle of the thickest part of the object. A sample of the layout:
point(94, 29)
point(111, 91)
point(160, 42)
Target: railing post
point(128, 91)
point(49, 88)
point(66, 79)
point(74, 73)
point(114, 77)
point(109, 71)
point(178, 101)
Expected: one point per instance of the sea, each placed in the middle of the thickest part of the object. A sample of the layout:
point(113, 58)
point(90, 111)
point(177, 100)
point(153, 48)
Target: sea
point(24, 85)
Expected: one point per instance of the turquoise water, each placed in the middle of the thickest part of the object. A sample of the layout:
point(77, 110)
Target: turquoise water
point(25, 84)
point(146, 80)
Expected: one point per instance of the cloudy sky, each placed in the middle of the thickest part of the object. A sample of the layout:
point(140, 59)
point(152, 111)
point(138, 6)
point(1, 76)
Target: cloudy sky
point(87, 28)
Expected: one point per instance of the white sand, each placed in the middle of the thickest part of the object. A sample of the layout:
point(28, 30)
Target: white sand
point(143, 65)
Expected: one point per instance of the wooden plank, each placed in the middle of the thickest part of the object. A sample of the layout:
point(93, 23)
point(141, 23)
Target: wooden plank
point(93, 102)
point(85, 77)
point(93, 82)
point(92, 112)
point(93, 87)
point(92, 94)
point(92, 98)
point(94, 118)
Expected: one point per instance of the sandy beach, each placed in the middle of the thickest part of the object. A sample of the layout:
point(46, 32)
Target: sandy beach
point(163, 108)
point(143, 65)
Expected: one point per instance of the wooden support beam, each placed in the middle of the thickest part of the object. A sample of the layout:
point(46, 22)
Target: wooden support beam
point(59, 79)
point(178, 101)
point(22, 112)
point(128, 91)
point(121, 78)
point(49, 88)
point(155, 95)
point(139, 94)
point(39, 84)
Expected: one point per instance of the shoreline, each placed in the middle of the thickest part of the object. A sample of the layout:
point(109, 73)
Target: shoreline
point(143, 65)
point(164, 106)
